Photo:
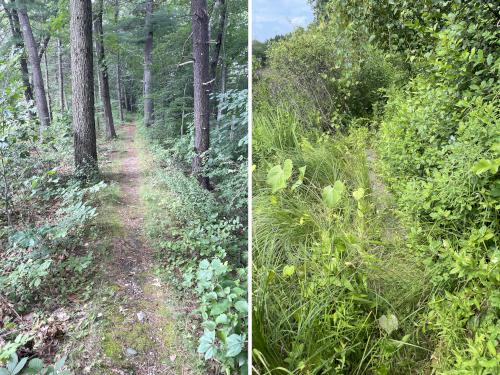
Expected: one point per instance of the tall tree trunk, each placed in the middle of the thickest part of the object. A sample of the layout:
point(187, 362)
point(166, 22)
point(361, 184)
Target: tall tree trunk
point(18, 41)
point(82, 83)
point(148, 61)
point(60, 75)
point(103, 71)
point(200, 22)
point(119, 86)
point(118, 67)
point(49, 99)
point(221, 5)
point(223, 78)
point(34, 59)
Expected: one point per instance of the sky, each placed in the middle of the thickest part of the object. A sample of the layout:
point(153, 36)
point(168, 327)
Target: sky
point(273, 17)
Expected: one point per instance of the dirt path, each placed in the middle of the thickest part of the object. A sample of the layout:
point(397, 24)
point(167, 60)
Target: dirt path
point(143, 325)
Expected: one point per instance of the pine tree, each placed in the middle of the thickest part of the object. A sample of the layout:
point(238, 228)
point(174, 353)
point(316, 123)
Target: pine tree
point(82, 82)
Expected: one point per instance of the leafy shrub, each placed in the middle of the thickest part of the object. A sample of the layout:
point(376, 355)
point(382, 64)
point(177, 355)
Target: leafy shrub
point(205, 249)
point(34, 366)
point(326, 75)
point(223, 307)
point(439, 152)
point(26, 271)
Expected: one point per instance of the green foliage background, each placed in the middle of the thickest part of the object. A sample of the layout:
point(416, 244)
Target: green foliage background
point(376, 150)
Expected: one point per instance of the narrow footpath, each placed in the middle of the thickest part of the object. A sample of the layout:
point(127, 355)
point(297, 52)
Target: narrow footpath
point(144, 321)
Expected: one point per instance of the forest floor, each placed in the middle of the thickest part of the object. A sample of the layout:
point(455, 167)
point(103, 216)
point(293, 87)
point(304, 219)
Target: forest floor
point(144, 325)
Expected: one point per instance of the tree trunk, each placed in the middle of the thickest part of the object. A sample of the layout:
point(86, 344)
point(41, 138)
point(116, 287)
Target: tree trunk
point(220, 36)
point(201, 87)
point(31, 48)
point(119, 86)
point(43, 47)
point(148, 60)
point(118, 67)
point(60, 75)
point(82, 83)
point(125, 98)
point(49, 99)
point(18, 41)
point(223, 78)
point(103, 71)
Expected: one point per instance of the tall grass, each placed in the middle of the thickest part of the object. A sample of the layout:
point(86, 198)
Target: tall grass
point(323, 278)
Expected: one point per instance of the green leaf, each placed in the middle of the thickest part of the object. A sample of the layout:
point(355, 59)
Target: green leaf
point(300, 180)
point(287, 169)
point(277, 176)
point(484, 165)
point(209, 324)
point(207, 344)
point(222, 319)
point(234, 345)
point(20, 366)
point(388, 323)
point(241, 306)
point(333, 194)
point(358, 194)
point(219, 308)
point(288, 271)
point(4, 371)
point(36, 364)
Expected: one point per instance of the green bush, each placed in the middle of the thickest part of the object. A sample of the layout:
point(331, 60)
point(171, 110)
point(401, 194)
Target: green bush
point(205, 249)
point(441, 161)
point(325, 75)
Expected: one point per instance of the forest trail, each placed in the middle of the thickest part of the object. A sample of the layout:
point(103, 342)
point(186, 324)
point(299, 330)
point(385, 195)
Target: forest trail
point(142, 334)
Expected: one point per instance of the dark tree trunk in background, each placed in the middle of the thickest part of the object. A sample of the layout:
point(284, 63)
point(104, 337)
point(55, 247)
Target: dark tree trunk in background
point(200, 22)
point(18, 41)
point(49, 99)
point(103, 71)
point(221, 4)
point(82, 83)
point(118, 67)
point(43, 46)
point(148, 60)
point(34, 59)
point(214, 62)
point(60, 76)
point(119, 86)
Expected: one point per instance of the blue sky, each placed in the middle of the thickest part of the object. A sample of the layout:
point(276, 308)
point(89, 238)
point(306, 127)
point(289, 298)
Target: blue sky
point(273, 17)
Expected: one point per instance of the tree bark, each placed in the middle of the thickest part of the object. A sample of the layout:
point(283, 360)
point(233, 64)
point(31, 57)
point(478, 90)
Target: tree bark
point(18, 41)
point(148, 61)
point(60, 75)
point(32, 50)
point(43, 46)
point(118, 67)
point(200, 22)
point(103, 71)
point(220, 36)
point(82, 83)
point(49, 99)
point(223, 78)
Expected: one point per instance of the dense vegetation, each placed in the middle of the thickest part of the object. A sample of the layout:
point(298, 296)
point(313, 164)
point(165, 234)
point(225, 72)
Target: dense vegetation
point(376, 192)
point(71, 74)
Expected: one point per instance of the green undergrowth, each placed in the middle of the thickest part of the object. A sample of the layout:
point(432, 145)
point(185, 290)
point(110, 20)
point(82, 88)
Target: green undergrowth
point(48, 262)
point(201, 252)
point(332, 292)
point(376, 244)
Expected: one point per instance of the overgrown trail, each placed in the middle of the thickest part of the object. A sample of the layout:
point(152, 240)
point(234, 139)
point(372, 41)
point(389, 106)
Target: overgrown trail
point(142, 333)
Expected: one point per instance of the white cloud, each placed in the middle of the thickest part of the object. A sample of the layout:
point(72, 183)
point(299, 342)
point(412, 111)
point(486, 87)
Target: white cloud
point(273, 17)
